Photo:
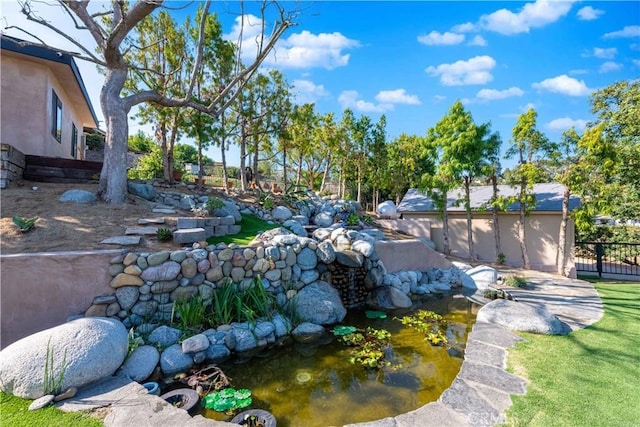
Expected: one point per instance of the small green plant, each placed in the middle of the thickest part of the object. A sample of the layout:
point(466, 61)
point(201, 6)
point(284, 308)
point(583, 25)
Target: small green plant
point(367, 219)
point(266, 200)
point(515, 281)
point(232, 304)
point(493, 294)
point(214, 203)
point(133, 342)
point(368, 345)
point(164, 234)
point(24, 223)
point(52, 381)
point(191, 314)
point(227, 400)
point(501, 258)
point(429, 323)
point(352, 219)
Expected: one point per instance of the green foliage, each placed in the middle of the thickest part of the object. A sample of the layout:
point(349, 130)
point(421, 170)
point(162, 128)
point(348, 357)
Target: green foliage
point(164, 234)
point(14, 412)
point(429, 323)
point(148, 166)
point(228, 400)
point(25, 224)
point(266, 200)
point(133, 341)
point(189, 315)
point(515, 281)
point(493, 294)
point(352, 219)
point(233, 304)
point(609, 233)
point(214, 203)
point(501, 258)
point(368, 345)
point(367, 219)
point(185, 153)
point(141, 143)
point(250, 226)
point(53, 376)
point(95, 140)
point(373, 314)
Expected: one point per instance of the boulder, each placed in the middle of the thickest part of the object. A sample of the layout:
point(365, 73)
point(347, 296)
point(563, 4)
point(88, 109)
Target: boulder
point(295, 227)
point(307, 259)
point(319, 303)
point(89, 348)
point(140, 364)
point(323, 219)
point(164, 336)
point(307, 332)
point(229, 209)
point(325, 252)
point(479, 277)
point(519, 316)
point(173, 360)
point(281, 213)
point(78, 197)
point(388, 298)
point(145, 191)
point(387, 209)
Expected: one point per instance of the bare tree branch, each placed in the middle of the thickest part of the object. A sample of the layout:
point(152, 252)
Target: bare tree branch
point(129, 20)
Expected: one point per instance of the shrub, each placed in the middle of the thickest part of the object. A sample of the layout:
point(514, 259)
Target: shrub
point(164, 234)
point(214, 203)
point(515, 281)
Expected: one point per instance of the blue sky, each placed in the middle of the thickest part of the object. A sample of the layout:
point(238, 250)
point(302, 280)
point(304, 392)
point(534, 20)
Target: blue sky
point(412, 60)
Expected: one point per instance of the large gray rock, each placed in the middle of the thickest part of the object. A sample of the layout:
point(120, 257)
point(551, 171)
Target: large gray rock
point(479, 277)
point(78, 196)
point(140, 364)
point(145, 191)
point(326, 252)
point(91, 348)
point(519, 316)
point(319, 303)
point(230, 208)
point(308, 332)
point(164, 336)
point(281, 213)
point(323, 219)
point(307, 259)
point(388, 297)
point(173, 360)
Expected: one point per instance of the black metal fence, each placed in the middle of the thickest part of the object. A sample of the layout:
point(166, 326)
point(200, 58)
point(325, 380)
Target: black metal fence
point(611, 258)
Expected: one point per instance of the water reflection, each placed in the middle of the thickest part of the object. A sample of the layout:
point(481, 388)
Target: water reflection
point(316, 386)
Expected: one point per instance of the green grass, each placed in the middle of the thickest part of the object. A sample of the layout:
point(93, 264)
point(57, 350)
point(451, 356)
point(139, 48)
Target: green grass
point(250, 227)
point(590, 377)
point(13, 412)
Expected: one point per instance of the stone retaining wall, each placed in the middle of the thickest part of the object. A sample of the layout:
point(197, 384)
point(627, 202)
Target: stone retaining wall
point(11, 164)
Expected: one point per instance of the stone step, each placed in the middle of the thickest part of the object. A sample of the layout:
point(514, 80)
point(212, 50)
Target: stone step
point(189, 235)
point(122, 240)
point(142, 231)
point(147, 221)
point(164, 211)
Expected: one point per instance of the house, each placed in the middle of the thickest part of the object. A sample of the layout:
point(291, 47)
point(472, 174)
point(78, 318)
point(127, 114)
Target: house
point(542, 224)
point(45, 105)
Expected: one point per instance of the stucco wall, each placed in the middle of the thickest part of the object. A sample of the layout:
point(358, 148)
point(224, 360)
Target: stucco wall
point(26, 110)
point(41, 290)
point(542, 231)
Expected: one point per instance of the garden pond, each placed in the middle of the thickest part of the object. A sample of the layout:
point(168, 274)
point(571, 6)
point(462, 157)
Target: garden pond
point(315, 385)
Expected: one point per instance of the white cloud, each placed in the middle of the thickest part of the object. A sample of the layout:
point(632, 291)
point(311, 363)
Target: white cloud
point(351, 99)
point(435, 38)
point(307, 50)
point(308, 92)
point(628, 31)
point(478, 41)
point(397, 96)
point(521, 109)
point(609, 66)
point(588, 13)
point(493, 94)
point(566, 123)
point(467, 27)
point(564, 85)
point(605, 53)
point(531, 15)
point(474, 71)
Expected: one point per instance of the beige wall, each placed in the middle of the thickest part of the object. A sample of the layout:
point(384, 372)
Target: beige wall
point(542, 231)
point(26, 109)
point(409, 255)
point(41, 290)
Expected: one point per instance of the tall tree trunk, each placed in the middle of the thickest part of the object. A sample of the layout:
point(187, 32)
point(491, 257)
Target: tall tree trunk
point(172, 142)
point(256, 175)
point(243, 155)
point(341, 181)
point(359, 198)
point(325, 174)
point(284, 169)
point(299, 173)
point(113, 177)
point(467, 208)
point(561, 259)
point(446, 249)
point(522, 237)
point(161, 135)
point(494, 212)
point(223, 155)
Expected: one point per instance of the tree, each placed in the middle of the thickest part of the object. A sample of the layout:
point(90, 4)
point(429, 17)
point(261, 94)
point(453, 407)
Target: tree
point(529, 146)
point(140, 143)
point(408, 161)
point(112, 30)
point(378, 159)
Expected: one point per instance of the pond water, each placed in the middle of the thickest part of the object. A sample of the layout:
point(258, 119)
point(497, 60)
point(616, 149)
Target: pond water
point(316, 386)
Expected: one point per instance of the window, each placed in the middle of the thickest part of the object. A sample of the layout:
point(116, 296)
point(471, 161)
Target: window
point(74, 140)
point(56, 116)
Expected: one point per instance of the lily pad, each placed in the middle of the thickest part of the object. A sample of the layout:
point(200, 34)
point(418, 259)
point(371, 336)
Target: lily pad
point(344, 330)
point(373, 314)
point(243, 393)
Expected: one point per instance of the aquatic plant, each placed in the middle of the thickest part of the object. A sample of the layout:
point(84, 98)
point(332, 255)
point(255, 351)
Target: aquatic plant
point(429, 323)
point(227, 400)
point(368, 345)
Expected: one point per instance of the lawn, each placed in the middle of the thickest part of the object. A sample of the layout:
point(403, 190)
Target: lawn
point(13, 412)
point(250, 226)
point(590, 377)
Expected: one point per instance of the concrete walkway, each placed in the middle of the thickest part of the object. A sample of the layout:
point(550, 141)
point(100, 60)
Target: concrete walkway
point(479, 395)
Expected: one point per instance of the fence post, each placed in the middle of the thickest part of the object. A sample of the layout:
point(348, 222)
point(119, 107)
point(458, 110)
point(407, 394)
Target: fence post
point(599, 254)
